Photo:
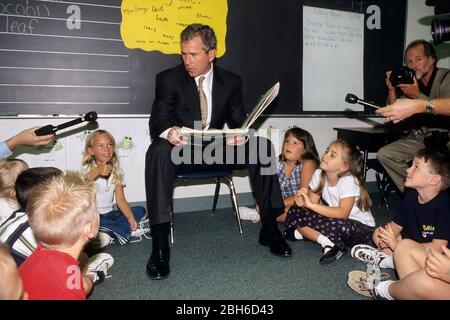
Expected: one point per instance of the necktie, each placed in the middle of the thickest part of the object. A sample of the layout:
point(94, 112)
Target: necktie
point(203, 101)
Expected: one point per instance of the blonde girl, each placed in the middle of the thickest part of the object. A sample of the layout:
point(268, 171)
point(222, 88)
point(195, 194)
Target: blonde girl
point(9, 171)
point(101, 166)
point(343, 218)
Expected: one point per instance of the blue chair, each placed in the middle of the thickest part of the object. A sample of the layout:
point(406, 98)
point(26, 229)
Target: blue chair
point(218, 175)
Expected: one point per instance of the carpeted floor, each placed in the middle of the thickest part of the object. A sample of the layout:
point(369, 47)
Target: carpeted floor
point(210, 260)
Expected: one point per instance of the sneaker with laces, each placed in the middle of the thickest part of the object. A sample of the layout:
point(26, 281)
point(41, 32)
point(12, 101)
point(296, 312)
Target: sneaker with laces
point(365, 283)
point(368, 254)
point(249, 214)
point(98, 266)
point(359, 282)
point(142, 231)
point(144, 220)
point(102, 240)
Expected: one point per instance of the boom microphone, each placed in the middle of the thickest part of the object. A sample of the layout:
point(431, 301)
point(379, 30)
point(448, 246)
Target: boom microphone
point(50, 129)
point(351, 98)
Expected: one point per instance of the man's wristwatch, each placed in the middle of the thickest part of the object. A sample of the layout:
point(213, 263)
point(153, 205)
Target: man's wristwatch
point(429, 108)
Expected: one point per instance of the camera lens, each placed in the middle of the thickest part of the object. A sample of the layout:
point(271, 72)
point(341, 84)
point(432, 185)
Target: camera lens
point(440, 30)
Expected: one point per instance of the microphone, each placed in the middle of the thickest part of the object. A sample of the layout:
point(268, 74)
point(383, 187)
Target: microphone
point(351, 98)
point(50, 129)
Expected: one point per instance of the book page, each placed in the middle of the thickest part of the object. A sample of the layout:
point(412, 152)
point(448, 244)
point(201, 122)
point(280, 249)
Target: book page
point(262, 104)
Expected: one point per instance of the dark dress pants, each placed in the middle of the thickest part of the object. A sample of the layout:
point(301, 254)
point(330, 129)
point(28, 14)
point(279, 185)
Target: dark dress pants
point(257, 155)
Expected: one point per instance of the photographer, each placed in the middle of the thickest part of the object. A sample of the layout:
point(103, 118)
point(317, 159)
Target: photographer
point(429, 82)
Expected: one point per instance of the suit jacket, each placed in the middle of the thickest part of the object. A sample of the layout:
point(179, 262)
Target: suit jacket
point(177, 102)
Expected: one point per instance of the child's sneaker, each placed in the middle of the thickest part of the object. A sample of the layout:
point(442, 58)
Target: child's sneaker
point(143, 230)
point(359, 282)
point(365, 283)
point(249, 214)
point(102, 240)
point(98, 266)
point(368, 254)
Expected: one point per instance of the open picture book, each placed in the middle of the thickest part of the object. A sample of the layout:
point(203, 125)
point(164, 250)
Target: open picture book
point(262, 104)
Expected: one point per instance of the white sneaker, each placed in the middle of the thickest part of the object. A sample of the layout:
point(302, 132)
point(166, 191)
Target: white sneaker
point(102, 240)
point(249, 214)
point(98, 266)
point(143, 230)
point(368, 254)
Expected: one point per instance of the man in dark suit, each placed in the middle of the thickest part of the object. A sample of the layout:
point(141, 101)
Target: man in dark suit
point(198, 94)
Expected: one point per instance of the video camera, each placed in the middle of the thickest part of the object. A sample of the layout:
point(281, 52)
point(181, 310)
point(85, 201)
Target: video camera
point(402, 75)
point(440, 28)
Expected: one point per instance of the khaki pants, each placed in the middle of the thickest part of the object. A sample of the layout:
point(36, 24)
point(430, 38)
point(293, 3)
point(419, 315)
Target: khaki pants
point(395, 157)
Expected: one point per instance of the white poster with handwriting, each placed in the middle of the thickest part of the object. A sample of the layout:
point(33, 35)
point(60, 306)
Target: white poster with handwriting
point(333, 59)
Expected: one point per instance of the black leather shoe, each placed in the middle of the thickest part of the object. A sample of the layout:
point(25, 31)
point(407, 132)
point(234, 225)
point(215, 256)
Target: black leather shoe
point(288, 234)
point(279, 247)
point(332, 254)
point(158, 267)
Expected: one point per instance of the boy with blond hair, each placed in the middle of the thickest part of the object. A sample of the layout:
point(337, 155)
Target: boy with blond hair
point(63, 216)
point(9, 171)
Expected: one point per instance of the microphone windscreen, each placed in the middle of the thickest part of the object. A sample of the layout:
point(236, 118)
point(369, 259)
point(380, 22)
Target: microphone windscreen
point(351, 98)
point(45, 130)
point(90, 116)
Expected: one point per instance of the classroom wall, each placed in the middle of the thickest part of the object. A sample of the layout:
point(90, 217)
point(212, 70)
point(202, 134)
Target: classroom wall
point(133, 155)
point(133, 140)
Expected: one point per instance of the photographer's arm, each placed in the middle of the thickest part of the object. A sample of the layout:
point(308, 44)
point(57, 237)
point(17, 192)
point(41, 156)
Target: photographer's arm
point(441, 106)
point(405, 108)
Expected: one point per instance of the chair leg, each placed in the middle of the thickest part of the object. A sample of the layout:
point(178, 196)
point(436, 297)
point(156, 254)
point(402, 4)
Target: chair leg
point(234, 201)
point(172, 231)
point(381, 188)
point(216, 194)
point(172, 237)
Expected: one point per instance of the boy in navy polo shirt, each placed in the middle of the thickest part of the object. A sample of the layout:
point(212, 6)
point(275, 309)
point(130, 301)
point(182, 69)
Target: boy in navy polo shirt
point(424, 215)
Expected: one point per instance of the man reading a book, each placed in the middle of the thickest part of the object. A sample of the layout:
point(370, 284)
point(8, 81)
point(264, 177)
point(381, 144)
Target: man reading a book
point(198, 94)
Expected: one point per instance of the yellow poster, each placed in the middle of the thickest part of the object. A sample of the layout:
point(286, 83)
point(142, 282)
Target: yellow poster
point(156, 24)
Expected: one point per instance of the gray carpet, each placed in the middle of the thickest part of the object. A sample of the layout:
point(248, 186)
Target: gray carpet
point(210, 260)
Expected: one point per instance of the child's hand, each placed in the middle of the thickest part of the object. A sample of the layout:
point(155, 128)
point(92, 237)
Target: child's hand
point(306, 200)
point(299, 200)
point(387, 237)
point(133, 223)
point(437, 265)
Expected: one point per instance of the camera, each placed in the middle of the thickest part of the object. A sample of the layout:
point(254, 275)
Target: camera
point(440, 30)
point(402, 75)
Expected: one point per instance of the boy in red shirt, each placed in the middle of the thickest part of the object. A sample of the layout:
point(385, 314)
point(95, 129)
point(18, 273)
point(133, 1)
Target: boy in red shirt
point(63, 216)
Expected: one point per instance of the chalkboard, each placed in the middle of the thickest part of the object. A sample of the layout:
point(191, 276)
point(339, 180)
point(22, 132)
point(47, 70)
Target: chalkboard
point(48, 68)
